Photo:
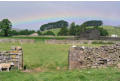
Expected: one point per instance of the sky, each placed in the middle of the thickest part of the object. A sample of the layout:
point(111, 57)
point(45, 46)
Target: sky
point(33, 14)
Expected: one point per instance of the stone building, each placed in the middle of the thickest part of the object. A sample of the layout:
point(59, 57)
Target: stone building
point(90, 34)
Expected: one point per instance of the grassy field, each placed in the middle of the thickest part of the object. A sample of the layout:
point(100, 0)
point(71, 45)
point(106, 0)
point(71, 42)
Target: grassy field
point(55, 31)
point(38, 38)
point(112, 30)
point(43, 60)
point(107, 74)
point(45, 55)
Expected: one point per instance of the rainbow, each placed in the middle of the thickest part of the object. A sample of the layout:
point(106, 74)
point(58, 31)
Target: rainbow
point(59, 18)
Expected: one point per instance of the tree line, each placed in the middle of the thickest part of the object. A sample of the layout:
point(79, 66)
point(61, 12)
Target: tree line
point(73, 29)
point(6, 29)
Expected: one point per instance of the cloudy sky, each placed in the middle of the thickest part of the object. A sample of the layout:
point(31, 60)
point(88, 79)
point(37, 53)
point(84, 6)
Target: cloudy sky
point(31, 15)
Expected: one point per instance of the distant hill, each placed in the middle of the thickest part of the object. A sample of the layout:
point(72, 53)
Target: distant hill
point(111, 30)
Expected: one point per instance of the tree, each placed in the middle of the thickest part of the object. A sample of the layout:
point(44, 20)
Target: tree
point(94, 23)
point(78, 30)
point(83, 28)
point(1, 33)
point(26, 32)
point(22, 32)
point(14, 32)
point(52, 25)
point(5, 26)
point(39, 33)
point(63, 31)
point(72, 30)
point(103, 32)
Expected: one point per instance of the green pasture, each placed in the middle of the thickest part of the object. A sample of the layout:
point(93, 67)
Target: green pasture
point(39, 38)
point(39, 54)
point(55, 31)
point(48, 57)
point(107, 74)
point(112, 30)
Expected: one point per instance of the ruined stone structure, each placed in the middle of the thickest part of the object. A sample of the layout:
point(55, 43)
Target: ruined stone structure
point(15, 55)
point(90, 34)
point(94, 34)
point(87, 57)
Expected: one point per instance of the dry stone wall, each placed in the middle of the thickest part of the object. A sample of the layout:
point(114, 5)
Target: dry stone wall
point(15, 55)
point(53, 41)
point(87, 57)
point(17, 40)
point(109, 38)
